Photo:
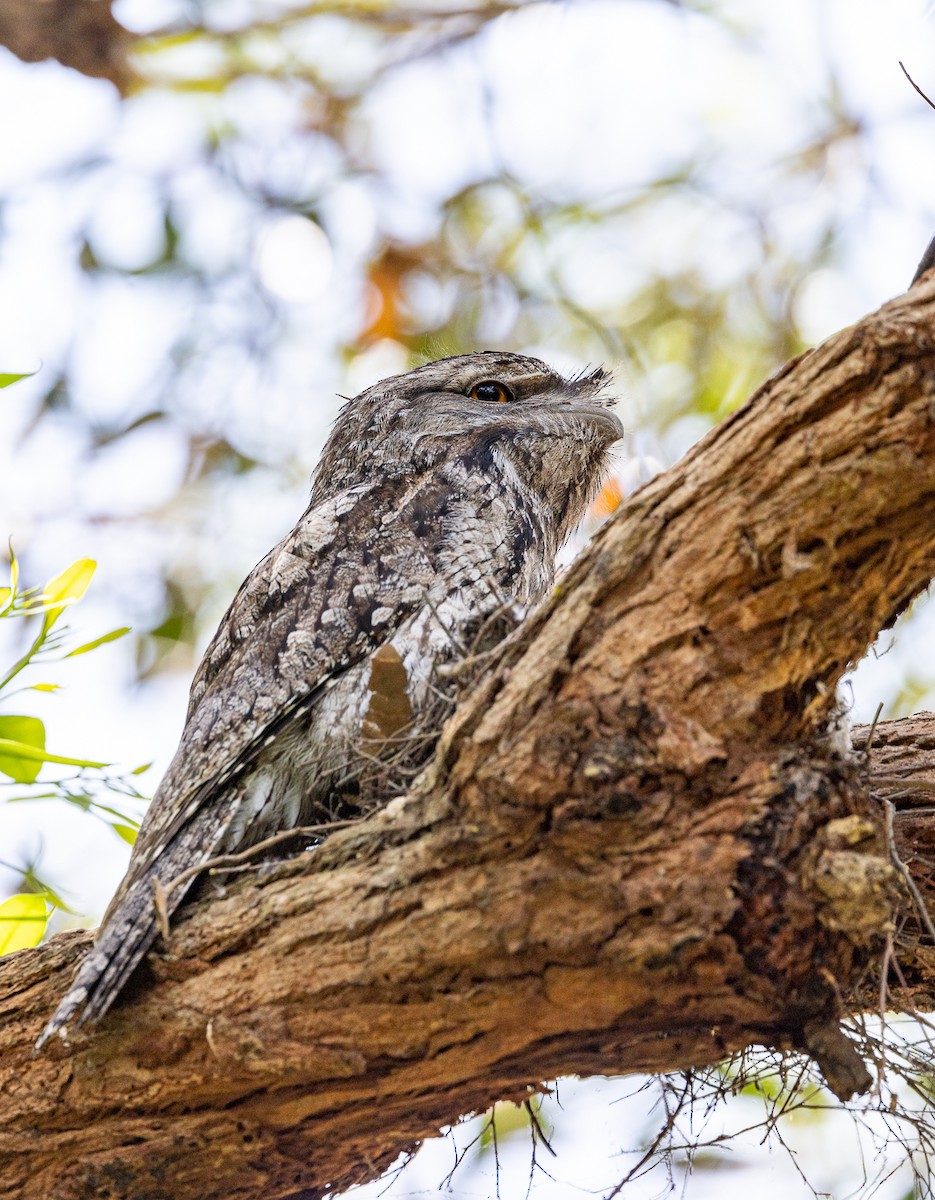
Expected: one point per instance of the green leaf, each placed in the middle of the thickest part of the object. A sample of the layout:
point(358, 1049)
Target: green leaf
point(14, 569)
point(142, 769)
point(105, 637)
point(120, 818)
point(7, 379)
point(23, 919)
point(67, 588)
point(28, 732)
point(127, 832)
point(14, 749)
point(505, 1117)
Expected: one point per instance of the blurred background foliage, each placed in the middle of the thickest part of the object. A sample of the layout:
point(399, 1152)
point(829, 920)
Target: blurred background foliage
point(234, 211)
point(293, 200)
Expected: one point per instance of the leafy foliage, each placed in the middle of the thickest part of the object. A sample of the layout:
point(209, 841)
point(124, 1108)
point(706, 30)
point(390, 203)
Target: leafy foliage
point(24, 755)
point(399, 263)
point(6, 378)
point(23, 919)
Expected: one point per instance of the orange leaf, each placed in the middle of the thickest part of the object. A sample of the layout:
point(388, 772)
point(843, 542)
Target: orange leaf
point(608, 500)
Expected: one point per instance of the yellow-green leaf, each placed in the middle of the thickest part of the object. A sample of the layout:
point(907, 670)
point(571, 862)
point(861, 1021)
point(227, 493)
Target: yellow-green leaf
point(45, 687)
point(26, 732)
point(23, 919)
point(67, 587)
point(99, 641)
point(17, 750)
point(6, 596)
point(6, 378)
point(127, 832)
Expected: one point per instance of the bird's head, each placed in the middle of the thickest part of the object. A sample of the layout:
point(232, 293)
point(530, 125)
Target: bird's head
point(495, 413)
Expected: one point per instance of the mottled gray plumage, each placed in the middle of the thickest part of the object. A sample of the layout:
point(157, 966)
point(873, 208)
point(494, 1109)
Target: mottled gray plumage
point(430, 507)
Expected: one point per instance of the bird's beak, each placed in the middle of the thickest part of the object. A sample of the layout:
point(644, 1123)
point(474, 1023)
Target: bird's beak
point(607, 422)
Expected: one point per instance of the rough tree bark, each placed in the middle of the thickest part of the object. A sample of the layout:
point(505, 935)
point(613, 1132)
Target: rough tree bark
point(637, 848)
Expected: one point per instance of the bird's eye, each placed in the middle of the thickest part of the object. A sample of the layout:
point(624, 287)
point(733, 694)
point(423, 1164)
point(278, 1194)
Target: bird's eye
point(491, 392)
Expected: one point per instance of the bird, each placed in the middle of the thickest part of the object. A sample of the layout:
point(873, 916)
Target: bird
point(441, 495)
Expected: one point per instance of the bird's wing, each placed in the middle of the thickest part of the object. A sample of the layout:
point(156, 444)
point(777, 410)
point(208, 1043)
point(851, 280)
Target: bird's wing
point(329, 594)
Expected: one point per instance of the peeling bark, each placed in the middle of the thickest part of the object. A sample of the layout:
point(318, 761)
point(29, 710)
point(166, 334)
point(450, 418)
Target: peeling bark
point(641, 844)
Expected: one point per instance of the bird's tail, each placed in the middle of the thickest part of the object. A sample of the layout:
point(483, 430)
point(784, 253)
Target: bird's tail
point(127, 932)
point(164, 866)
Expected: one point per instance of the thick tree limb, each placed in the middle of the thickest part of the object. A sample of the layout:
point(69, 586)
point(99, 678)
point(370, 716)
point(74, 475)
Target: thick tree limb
point(79, 33)
point(638, 847)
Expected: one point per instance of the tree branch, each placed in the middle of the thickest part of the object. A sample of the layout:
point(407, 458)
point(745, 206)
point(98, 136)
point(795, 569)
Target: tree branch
point(79, 33)
point(638, 848)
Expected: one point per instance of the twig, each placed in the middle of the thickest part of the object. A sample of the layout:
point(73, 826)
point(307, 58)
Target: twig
point(537, 1126)
point(921, 1020)
point(890, 809)
point(449, 633)
point(884, 977)
point(456, 669)
point(907, 781)
point(873, 727)
point(222, 861)
point(917, 88)
point(160, 896)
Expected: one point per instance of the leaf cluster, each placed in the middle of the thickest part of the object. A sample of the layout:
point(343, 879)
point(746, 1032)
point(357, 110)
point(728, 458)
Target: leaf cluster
point(29, 768)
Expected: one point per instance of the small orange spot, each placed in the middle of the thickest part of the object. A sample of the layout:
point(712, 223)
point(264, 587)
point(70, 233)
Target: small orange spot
point(608, 499)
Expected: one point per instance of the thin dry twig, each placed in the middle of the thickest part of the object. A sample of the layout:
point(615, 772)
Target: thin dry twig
point(911, 783)
point(446, 630)
point(225, 861)
point(921, 909)
point(873, 727)
point(160, 895)
point(884, 977)
point(537, 1126)
point(916, 86)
